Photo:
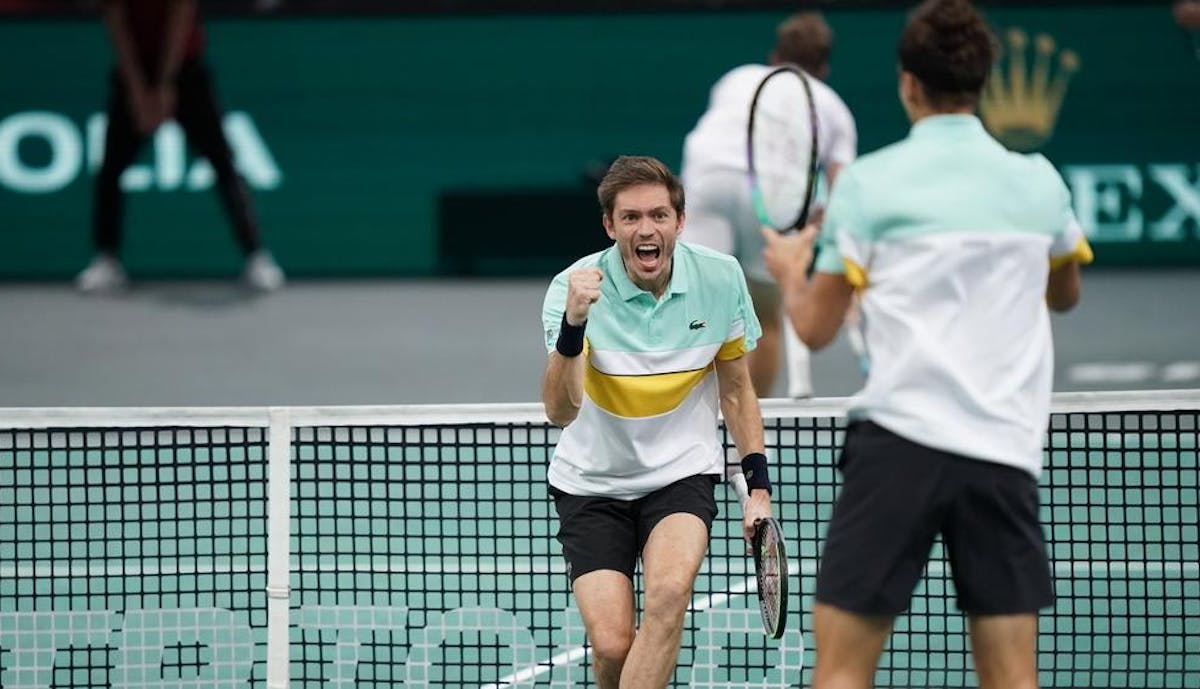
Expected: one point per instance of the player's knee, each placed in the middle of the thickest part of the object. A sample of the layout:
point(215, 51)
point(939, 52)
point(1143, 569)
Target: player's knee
point(611, 644)
point(1000, 670)
point(667, 599)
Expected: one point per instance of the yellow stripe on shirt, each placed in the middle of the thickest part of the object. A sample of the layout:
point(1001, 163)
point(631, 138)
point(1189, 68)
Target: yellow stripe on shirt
point(641, 396)
point(856, 275)
point(732, 349)
point(1081, 254)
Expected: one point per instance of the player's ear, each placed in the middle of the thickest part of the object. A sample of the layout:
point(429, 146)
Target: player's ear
point(910, 91)
point(608, 226)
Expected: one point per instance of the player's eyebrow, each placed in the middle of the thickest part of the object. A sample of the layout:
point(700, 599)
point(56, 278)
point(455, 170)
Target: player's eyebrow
point(656, 209)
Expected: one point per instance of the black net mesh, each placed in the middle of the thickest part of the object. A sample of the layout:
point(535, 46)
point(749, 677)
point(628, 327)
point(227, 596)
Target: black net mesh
point(425, 556)
point(132, 557)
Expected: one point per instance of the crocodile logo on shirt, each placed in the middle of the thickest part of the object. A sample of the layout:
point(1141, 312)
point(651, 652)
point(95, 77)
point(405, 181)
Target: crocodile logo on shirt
point(696, 325)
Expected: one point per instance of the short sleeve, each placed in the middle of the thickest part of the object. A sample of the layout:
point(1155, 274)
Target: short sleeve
point(1069, 244)
point(843, 246)
point(553, 308)
point(744, 328)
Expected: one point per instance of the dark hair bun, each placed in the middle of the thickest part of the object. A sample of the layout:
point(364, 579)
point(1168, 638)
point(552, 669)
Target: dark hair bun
point(948, 47)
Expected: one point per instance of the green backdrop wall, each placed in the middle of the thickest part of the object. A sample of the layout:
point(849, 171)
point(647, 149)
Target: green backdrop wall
point(382, 145)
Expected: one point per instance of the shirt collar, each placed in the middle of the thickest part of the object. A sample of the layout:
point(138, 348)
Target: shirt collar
point(614, 269)
point(949, 125)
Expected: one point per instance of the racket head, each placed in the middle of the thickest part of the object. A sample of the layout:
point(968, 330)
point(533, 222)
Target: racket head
point(771, 572)
point(781, 148)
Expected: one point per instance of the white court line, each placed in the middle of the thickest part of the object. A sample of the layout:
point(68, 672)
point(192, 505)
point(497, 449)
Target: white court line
point(809, 568)
point(1117, 372)
point(1134, 372)
point(1181, 372)
point(577, 653)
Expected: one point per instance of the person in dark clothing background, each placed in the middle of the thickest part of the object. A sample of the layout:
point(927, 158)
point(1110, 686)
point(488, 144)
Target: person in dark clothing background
point(160, 75)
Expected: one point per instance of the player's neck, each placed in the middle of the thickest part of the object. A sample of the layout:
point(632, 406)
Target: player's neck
point(918, 113)
point(657, 286)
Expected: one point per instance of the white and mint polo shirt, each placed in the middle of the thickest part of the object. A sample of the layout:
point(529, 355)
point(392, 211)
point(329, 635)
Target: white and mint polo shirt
point(950, 238)
point(649, 412)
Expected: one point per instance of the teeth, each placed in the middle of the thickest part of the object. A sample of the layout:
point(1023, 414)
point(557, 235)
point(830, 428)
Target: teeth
point(647, 247)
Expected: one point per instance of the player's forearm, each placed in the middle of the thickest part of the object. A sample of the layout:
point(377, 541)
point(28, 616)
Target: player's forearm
point(817, 306)
point(127, 59)
point(1064, 287)
point(798, 303)
point(562, 388)
point(179, 22)
point(743, 418)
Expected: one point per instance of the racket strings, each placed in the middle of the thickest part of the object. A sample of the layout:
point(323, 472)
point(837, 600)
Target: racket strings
point(781, 148)
point(771, 573)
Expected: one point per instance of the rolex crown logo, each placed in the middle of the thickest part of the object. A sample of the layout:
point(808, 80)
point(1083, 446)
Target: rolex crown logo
point(1020, 104)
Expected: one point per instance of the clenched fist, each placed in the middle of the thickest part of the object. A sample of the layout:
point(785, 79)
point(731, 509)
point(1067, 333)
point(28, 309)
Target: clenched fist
point(583, 290)
point(787, 256)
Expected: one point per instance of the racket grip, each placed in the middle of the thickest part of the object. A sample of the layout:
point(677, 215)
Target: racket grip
point(737, 481)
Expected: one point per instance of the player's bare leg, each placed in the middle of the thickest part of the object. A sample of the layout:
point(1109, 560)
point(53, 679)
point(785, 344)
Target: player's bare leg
point(605, 601)
point(670, 561)
point(798, 363)
point(848, 647)
point(764, 359)
point(1005, 650)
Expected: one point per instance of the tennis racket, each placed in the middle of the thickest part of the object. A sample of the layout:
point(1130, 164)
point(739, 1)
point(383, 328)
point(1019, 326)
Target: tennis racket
point(770, 565)
point(781, 148)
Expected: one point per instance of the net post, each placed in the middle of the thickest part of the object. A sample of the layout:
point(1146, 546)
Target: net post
point(278, 546)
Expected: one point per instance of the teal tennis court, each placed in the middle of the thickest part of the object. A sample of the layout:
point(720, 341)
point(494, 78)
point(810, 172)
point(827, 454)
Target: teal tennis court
point(414, 546)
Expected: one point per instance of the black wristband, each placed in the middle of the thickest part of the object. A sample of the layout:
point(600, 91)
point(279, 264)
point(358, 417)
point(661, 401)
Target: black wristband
point(754, 468)
point(570, 338)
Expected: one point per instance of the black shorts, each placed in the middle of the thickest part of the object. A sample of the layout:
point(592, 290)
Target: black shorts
point(604, 533)
point(897, 496)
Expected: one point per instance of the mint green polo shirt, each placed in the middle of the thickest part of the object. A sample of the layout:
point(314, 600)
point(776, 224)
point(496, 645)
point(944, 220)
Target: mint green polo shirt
point(950, 238)
point(649, 413)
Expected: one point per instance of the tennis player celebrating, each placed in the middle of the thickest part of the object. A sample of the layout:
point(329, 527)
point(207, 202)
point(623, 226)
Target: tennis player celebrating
point(645, 340)
point(957, 247)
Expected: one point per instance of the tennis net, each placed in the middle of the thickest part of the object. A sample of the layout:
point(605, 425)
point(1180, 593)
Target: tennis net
point(414, 546)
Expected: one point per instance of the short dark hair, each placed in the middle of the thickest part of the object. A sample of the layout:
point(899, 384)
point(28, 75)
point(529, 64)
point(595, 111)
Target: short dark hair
point(630, 171)
point(949, 48)
point(804, 39)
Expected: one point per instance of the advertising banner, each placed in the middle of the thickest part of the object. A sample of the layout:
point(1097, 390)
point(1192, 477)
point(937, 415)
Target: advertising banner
point(425, 145)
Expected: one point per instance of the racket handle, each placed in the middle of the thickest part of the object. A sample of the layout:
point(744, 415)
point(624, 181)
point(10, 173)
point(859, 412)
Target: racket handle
point(738, 481)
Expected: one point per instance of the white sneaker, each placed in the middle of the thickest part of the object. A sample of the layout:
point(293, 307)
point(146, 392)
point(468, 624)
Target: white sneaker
point(262, 272)
point(103, 275)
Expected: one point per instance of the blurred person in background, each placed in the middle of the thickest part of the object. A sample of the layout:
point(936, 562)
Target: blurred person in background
point(1187, 16)
point(715, 174)
point(959, 247)
point(160, 75)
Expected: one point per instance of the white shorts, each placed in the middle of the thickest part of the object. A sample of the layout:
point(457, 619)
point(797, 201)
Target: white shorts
point(721, 216)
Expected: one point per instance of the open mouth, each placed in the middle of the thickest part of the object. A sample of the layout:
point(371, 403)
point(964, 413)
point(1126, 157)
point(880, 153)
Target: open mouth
point(647, 255)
